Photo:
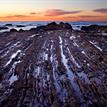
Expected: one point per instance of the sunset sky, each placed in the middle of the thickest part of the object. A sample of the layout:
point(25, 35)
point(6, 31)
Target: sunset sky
point(53, 10)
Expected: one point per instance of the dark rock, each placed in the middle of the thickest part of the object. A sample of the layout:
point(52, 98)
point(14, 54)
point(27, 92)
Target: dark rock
point(53, 26)
point(32, 29)
point(94, 28)
point(8, 25)
point(60, 26)
point(3, 28)
point(13, 30)
point(47, 65)
point(90, 28)
point(101, 59)
point(1, 73)
point(1, 76)
point(65, 25)
point(43, 71)
point(40, 28)
point(21, 30)
point(20, 26)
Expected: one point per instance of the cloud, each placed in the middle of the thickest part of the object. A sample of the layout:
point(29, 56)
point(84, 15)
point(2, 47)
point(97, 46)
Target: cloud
point(88, 16)
point(70, 17)
point(16, 16)
point(19, 16)
point(101, 10)
point(33, 13)
point(58, 12)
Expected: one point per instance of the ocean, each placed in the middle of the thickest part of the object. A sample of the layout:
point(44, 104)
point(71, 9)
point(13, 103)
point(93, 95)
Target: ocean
point(33, 24)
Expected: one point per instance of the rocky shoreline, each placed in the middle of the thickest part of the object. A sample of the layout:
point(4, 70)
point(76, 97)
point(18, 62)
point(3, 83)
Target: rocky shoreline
point(54, 66)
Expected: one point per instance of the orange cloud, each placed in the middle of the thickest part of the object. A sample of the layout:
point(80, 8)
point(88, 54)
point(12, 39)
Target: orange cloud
point(34, 13)
point(14, 16)
point(55, 15)
point(58, 12)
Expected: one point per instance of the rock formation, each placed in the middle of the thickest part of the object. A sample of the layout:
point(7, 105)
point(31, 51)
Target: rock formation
point(53, 66)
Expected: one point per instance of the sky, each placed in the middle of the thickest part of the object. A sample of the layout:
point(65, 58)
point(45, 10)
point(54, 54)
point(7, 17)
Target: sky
point(53, 10)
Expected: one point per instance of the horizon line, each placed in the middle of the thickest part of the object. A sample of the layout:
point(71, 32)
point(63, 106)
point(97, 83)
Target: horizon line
point(50, 21)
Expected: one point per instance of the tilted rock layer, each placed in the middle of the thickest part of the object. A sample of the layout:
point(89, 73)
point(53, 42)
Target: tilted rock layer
point(55, 68)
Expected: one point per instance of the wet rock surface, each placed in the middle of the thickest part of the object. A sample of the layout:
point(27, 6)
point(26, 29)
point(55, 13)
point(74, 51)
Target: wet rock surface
point(55, 68)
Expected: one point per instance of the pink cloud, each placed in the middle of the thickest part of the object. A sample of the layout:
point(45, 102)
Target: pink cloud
point(57, 12)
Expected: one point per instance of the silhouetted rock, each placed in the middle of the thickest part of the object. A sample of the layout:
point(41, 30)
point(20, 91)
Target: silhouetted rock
point(53, 26)
point(94, 28)
point(8, 25)
point(20, 26)
point(40, 28)
point(32, 29)
point(21, 30)
point(65, 25)
point(3, 28)
point(13, 30)
point(60, 26)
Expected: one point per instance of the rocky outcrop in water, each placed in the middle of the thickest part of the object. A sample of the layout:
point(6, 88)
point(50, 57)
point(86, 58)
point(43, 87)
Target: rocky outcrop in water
point(54, 26)
point(60, 26)
point(94, 28)
point(20, 26)
point(3, 28)
point(13, 30)
point(8, 25)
